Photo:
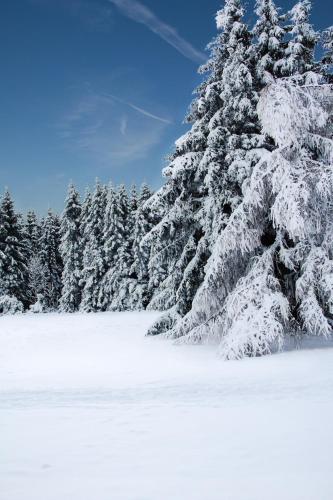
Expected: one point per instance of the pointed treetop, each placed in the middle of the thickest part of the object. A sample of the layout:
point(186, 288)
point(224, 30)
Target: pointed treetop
point(270, 40)
point(232, 11)
point(300, 51)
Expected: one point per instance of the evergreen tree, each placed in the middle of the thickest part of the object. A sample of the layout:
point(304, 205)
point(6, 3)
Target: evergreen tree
point(234, 153)
point(270, 41)
point(117, 250)
point(71, 252)
point(180, 240)
point(85, 209)
point(232, 147)
point(119, 276)
point(327, 61)
point(299, 54)
point(38, 273)
point(110, 247)
point(93, 254)
point(85, 212)
point(139, 271)
point(32, 233)
point(133, 199)
point(288, 287)
point(131, 223)
point(13, 253)
point(50, 262)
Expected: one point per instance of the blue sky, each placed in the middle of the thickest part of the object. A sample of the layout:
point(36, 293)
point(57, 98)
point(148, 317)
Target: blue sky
point(98, 88)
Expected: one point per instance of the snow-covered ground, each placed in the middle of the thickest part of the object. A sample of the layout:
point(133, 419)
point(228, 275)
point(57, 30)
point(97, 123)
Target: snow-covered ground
point(90, 409)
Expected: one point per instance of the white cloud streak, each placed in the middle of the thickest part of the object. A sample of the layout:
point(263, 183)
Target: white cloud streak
point(97, 126)
point(137, 108)
point(141, 14)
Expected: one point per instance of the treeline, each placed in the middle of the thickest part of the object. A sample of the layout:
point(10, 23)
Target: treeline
point(89, 259)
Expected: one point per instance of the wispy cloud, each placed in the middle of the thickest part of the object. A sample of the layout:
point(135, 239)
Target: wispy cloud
point(123, 125)
point(141, 14)
point(99, 127)
point(137, 108)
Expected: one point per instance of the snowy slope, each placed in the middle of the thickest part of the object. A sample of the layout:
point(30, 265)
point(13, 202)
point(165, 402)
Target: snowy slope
point(90, 409)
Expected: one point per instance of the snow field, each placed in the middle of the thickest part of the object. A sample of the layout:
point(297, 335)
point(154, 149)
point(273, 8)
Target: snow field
point(90, 409)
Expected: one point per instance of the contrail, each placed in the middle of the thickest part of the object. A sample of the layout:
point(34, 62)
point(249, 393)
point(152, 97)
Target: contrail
point(136, 108)
point(141, 14)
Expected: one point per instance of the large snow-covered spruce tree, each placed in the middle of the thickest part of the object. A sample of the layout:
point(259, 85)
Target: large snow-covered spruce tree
point(71, 252)
point(212, 187)
point(13, 253)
